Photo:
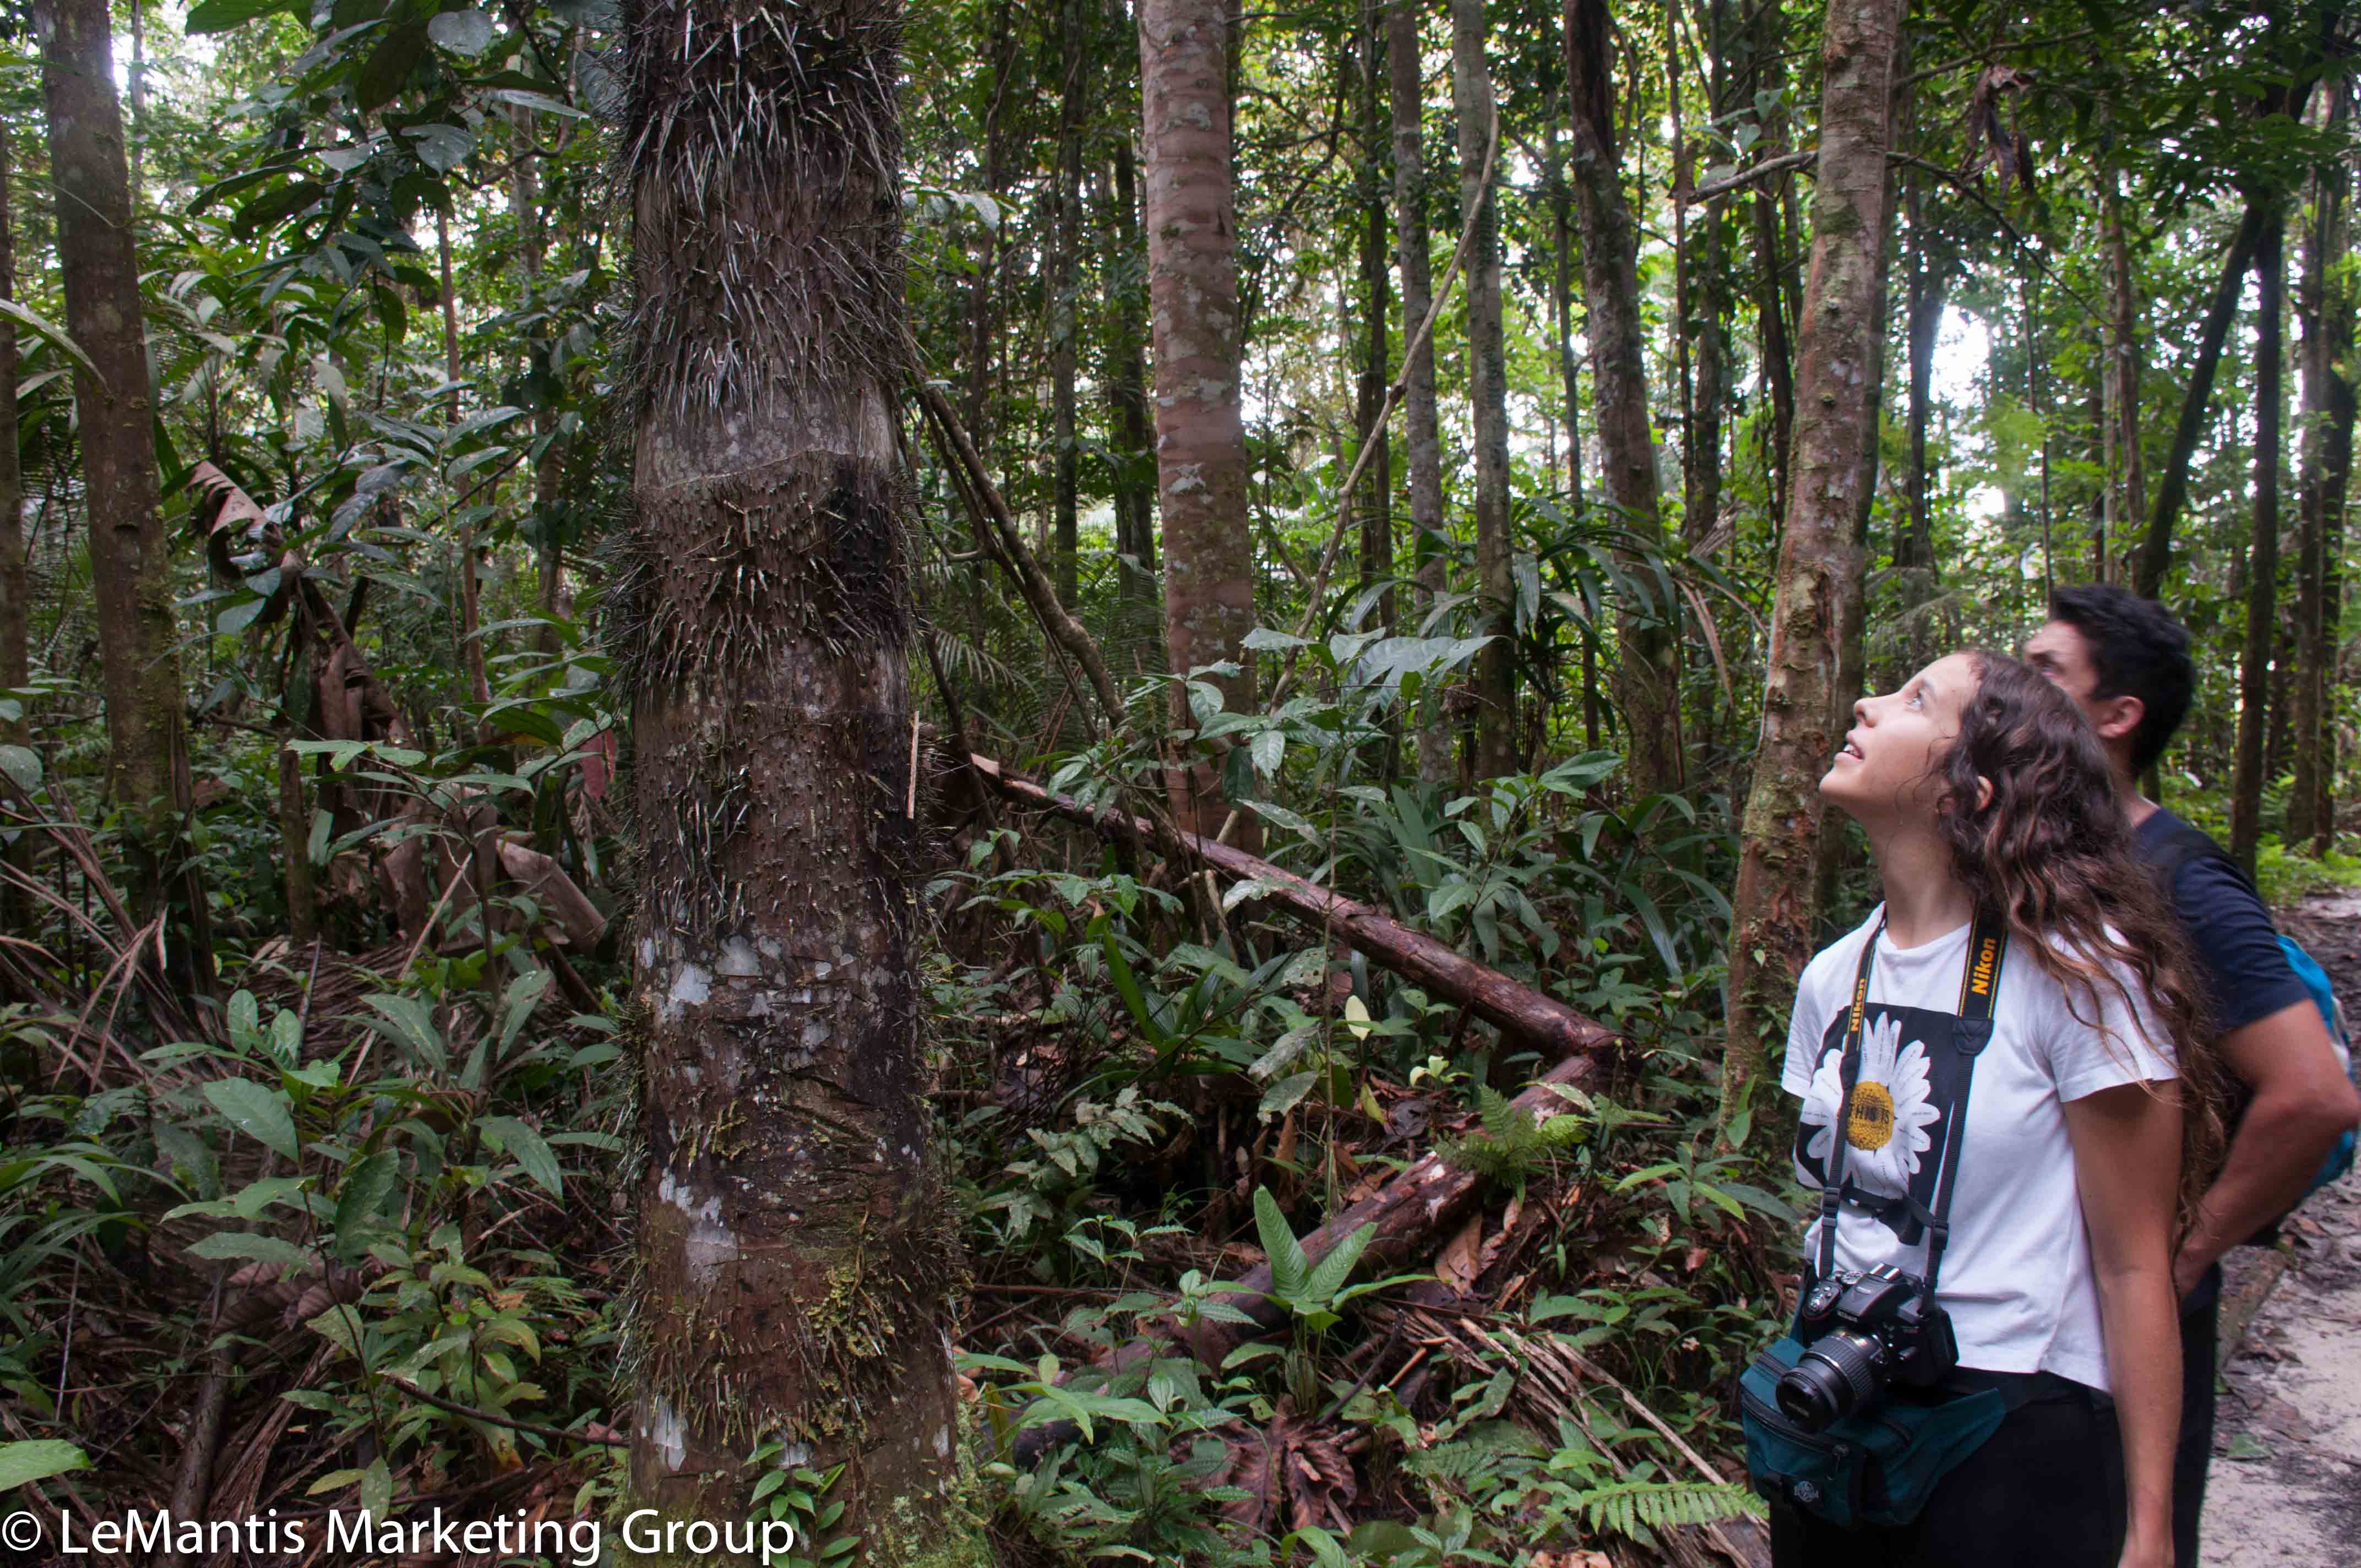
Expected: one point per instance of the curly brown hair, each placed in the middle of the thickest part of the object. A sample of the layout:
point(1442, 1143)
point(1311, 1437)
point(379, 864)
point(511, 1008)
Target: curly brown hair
point(2051, 853)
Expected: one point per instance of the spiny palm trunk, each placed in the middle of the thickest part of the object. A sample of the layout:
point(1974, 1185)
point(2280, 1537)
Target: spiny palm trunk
point(794, 1248)
point(1646, 685)
point(1193, 292)
point(1771, 915)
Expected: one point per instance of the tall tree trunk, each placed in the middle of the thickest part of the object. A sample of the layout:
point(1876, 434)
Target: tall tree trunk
point(984, 303)
point(2263, 552)
point(1193, 292)
point(1374, 494)
point(1135, 455)
point(2126, 497)
point(1646, 685)
point(1495, 675)
point(1767, 74)
point(1913, 549)
point(2324, 304)
point(2172, 484)
point(471, 615)
point(794, 1243)
point(532, 254)
point(1075, 36)
point(15, 585)
point(1421, 427)
point(131, 567)
point(1843, 326)
point(1562, 332)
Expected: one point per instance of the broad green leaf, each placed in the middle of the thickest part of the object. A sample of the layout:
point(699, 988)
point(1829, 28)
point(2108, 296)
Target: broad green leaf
point(224, 1244)
point(1283, 1096)
point(513, 1136)
point(23, 766)
point(462, 32)
point(1288, 1268)
point(408, 1022)
point(259, 1112)
point(367, 1187)
point(22, 1464)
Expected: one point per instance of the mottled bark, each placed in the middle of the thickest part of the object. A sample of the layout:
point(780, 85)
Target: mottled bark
point(2262, 551)
point(1494, 679)
point(131, 568)
point(2324, 304)
point(1819, 566)
point(794, 1246)
point(1192, 294)
point(1646, 684)
point(1422, 431)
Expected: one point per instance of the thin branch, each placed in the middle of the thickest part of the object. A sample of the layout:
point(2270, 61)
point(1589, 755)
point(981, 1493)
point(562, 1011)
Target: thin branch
point(1762, 171)
point(473, 1414)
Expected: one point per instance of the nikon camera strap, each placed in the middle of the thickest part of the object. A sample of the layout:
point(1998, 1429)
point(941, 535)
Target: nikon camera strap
point(1979, 987)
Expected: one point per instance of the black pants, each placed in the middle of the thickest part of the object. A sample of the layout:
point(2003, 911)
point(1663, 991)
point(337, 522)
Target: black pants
point(2201, 1329)
point(2045, 1491)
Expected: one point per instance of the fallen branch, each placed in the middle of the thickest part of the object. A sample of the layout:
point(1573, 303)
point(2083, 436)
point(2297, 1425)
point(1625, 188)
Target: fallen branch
point(1531, 1016)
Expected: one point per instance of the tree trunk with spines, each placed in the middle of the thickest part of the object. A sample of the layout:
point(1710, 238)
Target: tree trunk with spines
point(794, 1242)
point(1193, 295)
point(131, 565)
point(1819, 566)
point(1646, 675)
point(1494, 679)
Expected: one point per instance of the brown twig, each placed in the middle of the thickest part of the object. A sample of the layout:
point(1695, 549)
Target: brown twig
point(473, 1414)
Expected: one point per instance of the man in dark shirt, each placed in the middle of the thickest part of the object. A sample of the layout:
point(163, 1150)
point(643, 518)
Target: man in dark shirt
point(2125, 660)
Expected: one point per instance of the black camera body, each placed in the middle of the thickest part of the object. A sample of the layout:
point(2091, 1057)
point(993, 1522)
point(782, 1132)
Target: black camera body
point(1863, 1332)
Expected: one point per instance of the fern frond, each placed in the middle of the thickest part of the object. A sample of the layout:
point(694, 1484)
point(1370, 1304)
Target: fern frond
point(1635, 1508)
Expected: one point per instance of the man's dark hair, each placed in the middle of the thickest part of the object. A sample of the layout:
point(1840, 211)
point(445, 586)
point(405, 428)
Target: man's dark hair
point(2136, 649)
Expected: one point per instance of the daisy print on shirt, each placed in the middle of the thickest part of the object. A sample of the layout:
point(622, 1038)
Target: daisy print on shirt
point(1908, 1085)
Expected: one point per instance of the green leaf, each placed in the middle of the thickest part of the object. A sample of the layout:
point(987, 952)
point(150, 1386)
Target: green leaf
point(260, 1114)
point(462, 32)
point(41, 326)
point(1330, 1275)
point(513, 1136)
point(225, 1244)
point(1283, 1096)
point(1290, 1270)
point(367, 1187)
point(410, 1023)
point(388, 66)
point(23, 766)
point(22, 1464)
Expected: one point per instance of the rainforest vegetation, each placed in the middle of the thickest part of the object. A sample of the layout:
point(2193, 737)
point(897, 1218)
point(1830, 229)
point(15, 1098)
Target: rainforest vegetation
point(1034, 779)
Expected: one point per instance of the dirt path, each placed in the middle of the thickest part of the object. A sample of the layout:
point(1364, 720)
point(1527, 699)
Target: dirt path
point(2286, 1485)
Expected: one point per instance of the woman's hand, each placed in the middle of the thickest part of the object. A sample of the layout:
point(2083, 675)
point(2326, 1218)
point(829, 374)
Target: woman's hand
point(2127, 1165)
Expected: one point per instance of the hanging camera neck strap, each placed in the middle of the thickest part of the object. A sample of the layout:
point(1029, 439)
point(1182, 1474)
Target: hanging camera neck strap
point(1971, 1031)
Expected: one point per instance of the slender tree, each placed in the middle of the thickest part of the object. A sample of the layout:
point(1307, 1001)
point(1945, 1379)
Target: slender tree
point(1421, 427)
point(1843, 327)
point(16, 666)
point(1645, 683)
point(1132, 458)
point(2126, 491)
point(1374, 498)
point(131, 565)
point(1075, 38)
point(2324, 304)
point(1495, 677)
point(794, 1245)
point(2263, 553)
point(1192, 292)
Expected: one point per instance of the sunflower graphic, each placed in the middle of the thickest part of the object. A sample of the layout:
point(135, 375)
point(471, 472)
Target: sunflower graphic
point(1892, 1109)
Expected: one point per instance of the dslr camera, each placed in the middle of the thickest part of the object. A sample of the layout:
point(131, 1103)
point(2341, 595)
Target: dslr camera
point(1863, 1331)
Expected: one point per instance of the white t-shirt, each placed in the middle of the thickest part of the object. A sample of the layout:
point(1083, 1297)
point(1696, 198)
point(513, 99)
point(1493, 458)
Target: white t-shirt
point(2016, 1277)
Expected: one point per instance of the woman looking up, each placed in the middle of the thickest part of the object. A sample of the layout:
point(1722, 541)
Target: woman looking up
point(2035, 1166)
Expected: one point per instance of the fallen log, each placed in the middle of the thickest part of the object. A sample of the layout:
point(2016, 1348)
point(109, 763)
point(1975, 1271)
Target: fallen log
point(1531, 1016)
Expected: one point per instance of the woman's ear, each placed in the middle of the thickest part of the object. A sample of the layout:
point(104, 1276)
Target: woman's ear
point(1983, 791)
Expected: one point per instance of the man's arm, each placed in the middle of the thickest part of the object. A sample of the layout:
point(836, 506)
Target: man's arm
point(2301, 1104)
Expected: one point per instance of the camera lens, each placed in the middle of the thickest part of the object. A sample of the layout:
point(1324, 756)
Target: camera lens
point(1831, 1380)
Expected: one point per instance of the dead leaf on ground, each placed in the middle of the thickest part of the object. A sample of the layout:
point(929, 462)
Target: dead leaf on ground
point(1458, 1263)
